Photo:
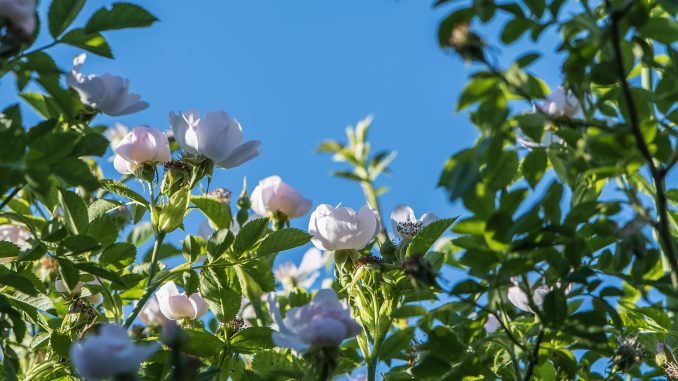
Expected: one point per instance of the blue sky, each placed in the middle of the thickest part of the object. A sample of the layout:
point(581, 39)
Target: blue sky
point(296, 73)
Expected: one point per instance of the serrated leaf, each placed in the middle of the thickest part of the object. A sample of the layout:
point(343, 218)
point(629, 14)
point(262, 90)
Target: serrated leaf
point(121, 189)
point(251, 340)
point(218, 213)
point(249, 234)
point(202, 343)
point(281, 240)
point(119, 16)
point(221, 290)
point(92, 42)
point(75, 211)
point(423, 241)
point(120, 255)
point(61, 14)
point(8, 249)
point(99, 271)
point(218, 243)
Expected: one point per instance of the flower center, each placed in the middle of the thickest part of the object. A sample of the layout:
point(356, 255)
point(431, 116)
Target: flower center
point(409, 229)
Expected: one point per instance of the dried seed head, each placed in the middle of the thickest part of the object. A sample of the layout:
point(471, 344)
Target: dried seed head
point(221, 194)
point(629, 352)
point(368, 260)
point(179, 165)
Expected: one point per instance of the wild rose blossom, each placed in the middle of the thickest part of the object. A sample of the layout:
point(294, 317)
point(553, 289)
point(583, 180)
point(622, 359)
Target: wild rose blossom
point(140, 146)
point(561, 102)
point(273, 196)
point(519, 298)
point(107, 353)
point(17, 235)
point(217, 137)
point(324, 322)
point(406, 225)
point(302, 276)
point(342, 228)
point(107, 93)
point(150, 313)
point(20, 14)
point(176, 306)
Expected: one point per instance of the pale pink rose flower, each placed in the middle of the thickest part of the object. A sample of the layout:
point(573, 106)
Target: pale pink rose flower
point(342, 228)
point(273, 196)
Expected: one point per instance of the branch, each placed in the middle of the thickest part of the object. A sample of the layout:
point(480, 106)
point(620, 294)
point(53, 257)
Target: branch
point(666, 241)
point(10, 197)
point(534, 360)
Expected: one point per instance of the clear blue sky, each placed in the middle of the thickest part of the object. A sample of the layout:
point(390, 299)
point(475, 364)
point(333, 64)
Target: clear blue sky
point(296, 73)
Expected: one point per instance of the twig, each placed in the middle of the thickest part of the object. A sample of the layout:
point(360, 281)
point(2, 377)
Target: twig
point(534, 360)
point(657, 175)
point(10, 197)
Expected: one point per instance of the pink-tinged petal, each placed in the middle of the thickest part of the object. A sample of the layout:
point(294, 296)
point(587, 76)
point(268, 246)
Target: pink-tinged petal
point(218, 135)
point(368, 226)
point(518, 298)
point(180, 307)
point(427, 218)
point(243, 153)
point(324, 332)
point(123, 166)
point(199, 305)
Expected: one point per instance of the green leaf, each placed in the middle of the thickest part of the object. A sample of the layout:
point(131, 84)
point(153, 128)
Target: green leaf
point(249, 234)
point(554, 308)
point(120, 255)
point(19, 283)
point(514, 29)
point(261, 273)
point(500, 174)
point(221, 290)
point(423, 241)
point(218, 243)
point(193, 248)
point(69, 273)
point(121, 189)
point(251, 340)
point(92, 42)
point(218, 213)
point(202, 343)
point(75, 211)
point(100, 207)
point(395, 344)
point(281, 240)
point(8, 249)
point(59, 342)
point(61, 15)
point(534, 166)
point(93, 269)
point(661, 29)
point(120, 16)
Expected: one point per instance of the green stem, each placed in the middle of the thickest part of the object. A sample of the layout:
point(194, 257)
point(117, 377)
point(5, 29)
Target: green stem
point(663, 229)
point(154, 257)
point(10, 196)
point(373, 202)
point(150, 286)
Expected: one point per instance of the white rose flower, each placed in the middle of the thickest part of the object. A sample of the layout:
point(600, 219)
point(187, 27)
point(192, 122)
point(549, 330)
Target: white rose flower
point(143, 145)
point(303, 276)
point(107, 93)
point(107, 353)
point(273, 196)
point(406, 225)
point(150, 313)
point(217, 137)
point(176, 306)
point(519, 298)
point(324, 322)
point(342, 228)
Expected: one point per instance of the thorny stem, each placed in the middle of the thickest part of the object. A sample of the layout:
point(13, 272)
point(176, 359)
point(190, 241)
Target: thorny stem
point(657, 174)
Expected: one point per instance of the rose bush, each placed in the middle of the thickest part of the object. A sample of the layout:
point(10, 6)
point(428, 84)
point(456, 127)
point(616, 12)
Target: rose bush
point(563, 266)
